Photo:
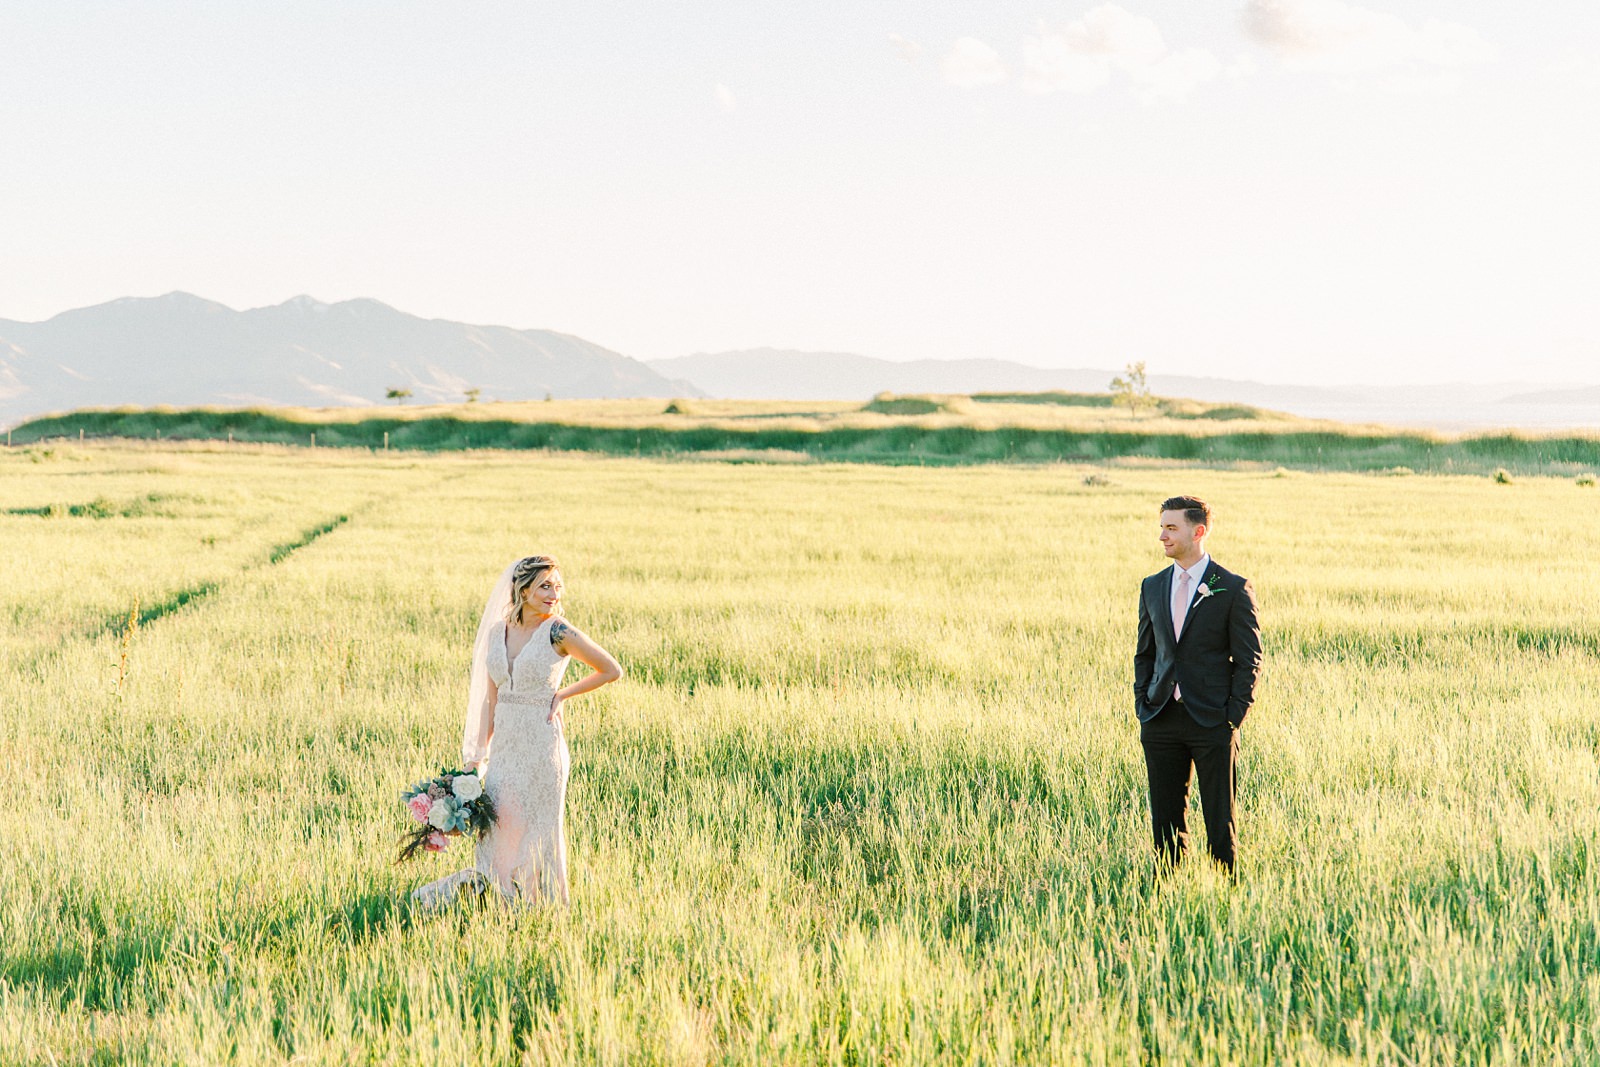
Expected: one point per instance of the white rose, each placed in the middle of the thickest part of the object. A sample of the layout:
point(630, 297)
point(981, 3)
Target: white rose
point(439, 814)
point(467, 787)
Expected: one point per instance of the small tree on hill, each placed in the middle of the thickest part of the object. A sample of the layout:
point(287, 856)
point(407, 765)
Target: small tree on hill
point(472, 394)
point(1130, 388)
point(398, 395)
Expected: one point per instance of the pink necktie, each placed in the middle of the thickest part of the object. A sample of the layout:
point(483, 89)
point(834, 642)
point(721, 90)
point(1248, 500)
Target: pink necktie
point(1180, 604)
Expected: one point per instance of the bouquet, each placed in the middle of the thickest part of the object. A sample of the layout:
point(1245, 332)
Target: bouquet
point(447, 806)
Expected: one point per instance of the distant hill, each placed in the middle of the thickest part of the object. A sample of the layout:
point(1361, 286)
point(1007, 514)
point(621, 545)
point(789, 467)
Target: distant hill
point(782, 374)
point(185, 351)
point(182, 350)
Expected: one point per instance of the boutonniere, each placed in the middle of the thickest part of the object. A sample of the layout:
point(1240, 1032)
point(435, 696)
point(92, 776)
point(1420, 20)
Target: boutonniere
point(1210, 588)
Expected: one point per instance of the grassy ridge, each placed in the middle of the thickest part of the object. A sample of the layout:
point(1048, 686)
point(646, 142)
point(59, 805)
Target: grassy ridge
point(1007, 429)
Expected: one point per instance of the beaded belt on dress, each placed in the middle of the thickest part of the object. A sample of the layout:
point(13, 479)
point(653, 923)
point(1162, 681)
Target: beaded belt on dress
point(539, 700)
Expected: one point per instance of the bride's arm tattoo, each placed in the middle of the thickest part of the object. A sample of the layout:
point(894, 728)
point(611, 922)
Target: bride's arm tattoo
point(558, 633)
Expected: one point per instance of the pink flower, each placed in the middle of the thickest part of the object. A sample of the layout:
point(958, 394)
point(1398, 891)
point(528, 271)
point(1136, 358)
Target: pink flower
point(437, 842)
point(418, 807)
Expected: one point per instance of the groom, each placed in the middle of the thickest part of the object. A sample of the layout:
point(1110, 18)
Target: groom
point(1195, 667)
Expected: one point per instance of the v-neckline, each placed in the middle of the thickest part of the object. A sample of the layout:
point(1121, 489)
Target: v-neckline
point(505, 645)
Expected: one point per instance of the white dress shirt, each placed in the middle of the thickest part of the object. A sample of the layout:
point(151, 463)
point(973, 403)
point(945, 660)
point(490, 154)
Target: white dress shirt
point(1196, 574)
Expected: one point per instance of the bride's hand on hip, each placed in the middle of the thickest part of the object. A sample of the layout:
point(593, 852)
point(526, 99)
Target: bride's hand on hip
point(555, 710)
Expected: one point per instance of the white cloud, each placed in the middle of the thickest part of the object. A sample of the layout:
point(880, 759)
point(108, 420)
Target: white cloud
point(970, 62)
point(726, 101)
point(905, 48)
point(1340, 38)
point(1049, 63)
point(1083, 55)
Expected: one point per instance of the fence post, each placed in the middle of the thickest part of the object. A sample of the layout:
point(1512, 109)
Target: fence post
point(313, 440)
point(386, 440)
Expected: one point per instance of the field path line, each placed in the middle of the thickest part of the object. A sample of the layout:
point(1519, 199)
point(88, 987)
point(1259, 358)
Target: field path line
point(156, 609)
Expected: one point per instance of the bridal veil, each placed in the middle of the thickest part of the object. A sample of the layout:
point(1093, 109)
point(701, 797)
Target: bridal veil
point(479, 728)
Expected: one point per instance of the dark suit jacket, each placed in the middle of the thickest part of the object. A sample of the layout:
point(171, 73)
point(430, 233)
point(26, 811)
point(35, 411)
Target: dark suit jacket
point(1217, 658)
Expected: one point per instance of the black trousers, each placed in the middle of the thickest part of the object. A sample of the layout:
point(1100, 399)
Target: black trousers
point(1173, 742)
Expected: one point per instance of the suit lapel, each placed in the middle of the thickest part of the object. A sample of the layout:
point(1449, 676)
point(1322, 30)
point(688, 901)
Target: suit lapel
point(1210, 574)
point(1163, 612)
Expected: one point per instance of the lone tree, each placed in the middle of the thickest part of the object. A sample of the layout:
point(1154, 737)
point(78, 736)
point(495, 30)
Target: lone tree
point(398, 395)
point(472, 394)
point(1130, 388)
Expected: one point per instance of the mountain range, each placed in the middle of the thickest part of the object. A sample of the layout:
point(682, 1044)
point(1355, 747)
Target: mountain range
point(183, 350)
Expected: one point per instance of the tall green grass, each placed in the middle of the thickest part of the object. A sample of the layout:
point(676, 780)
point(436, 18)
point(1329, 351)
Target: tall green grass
point(894, 434)
point(871, 792)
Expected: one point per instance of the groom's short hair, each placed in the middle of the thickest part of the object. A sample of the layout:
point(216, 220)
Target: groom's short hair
point(1197, 511)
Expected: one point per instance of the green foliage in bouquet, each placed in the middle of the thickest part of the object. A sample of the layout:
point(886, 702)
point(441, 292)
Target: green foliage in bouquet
point(449, 805)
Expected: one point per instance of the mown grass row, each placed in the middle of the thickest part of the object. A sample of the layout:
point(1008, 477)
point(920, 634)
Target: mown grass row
point(904, 443)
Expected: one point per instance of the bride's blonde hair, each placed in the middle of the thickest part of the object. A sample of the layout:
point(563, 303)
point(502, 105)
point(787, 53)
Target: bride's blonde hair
point(523, 576)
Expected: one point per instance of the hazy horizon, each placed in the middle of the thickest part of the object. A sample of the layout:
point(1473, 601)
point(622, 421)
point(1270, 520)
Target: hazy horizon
point(163, 351)
point(1510, 382)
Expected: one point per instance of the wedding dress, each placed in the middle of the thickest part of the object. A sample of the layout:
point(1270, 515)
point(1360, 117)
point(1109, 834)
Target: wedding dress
point(524, 855)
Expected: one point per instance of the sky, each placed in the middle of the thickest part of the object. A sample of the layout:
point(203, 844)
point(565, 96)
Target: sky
point(1303, 191)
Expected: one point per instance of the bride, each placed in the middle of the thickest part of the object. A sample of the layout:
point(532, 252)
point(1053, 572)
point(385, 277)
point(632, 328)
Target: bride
point(514, 734)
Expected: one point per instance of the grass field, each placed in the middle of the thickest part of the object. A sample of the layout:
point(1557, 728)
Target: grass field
point(871, 792)
point(889, 430)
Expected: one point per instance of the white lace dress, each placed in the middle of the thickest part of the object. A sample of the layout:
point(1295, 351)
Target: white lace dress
point(524, 855)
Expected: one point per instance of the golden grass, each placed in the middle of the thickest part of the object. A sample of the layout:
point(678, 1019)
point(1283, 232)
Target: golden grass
point(871, 792)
